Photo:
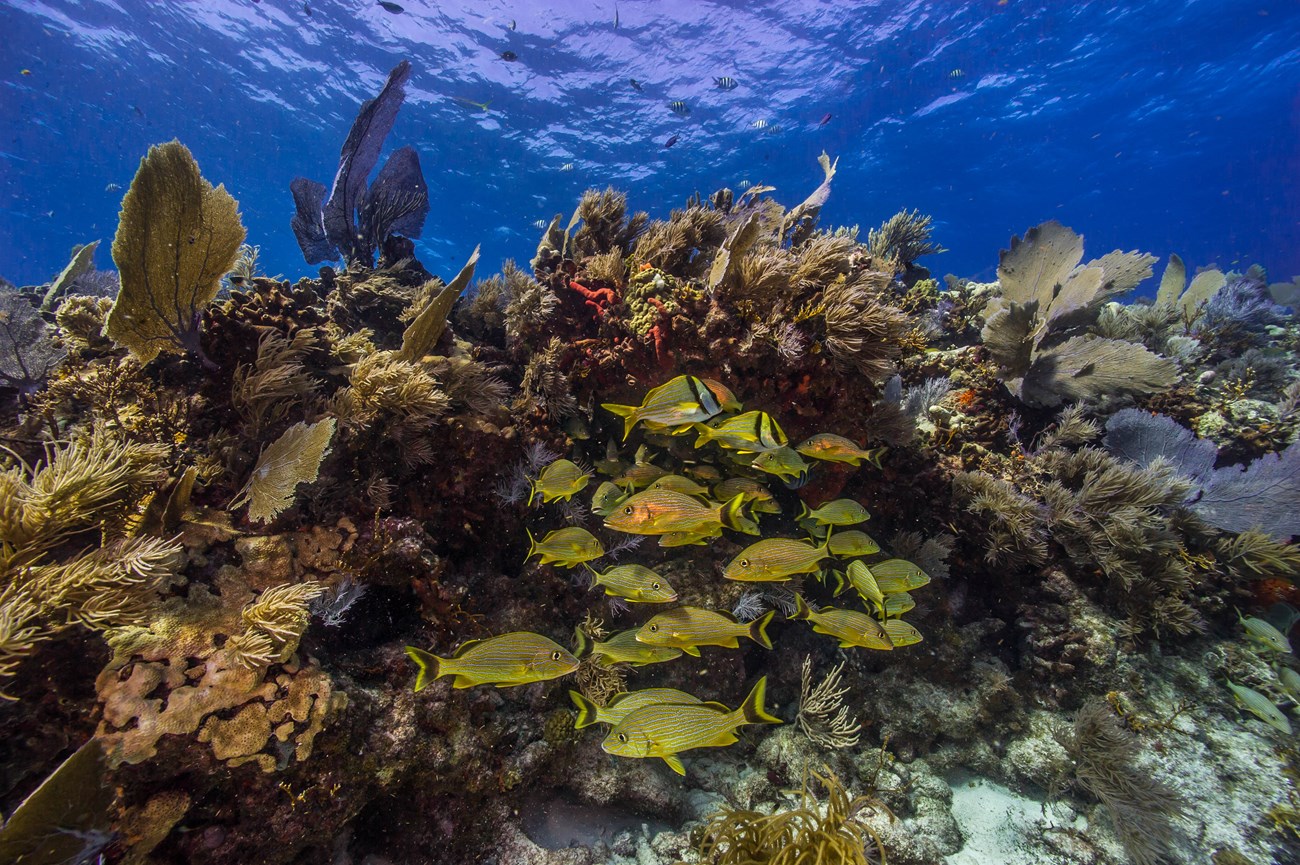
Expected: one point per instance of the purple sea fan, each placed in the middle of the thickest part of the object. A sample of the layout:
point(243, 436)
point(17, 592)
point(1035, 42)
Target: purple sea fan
point(1240, 314)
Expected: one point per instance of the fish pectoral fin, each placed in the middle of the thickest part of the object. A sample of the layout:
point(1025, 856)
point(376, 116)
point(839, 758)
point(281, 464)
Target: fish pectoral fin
point(463, 682)
point(675, 763)
point(694, 651)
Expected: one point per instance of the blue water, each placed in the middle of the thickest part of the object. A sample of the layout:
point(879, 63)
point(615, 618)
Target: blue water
point(1166, 126)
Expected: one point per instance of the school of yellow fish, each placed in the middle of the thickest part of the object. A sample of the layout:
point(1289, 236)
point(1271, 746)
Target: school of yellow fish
point(718, 487)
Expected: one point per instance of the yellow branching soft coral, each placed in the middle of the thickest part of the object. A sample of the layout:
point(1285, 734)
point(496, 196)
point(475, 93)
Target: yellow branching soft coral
point(276, 621)
point(176, 238)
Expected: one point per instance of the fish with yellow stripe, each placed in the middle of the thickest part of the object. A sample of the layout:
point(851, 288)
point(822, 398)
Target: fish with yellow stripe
point(517, 658)
point(776, 560)
point(841, 512)
point(680, 402)
point(688, 628)
point(635, 583)
point(569, 547)
point(834, 448)
point(679, 518)
point(624, 704)
point(624, 648)
point(850, 627)
point(751, 432)
point(665, 730)
point(898, 575)
point(783, 462)
point(560, 480)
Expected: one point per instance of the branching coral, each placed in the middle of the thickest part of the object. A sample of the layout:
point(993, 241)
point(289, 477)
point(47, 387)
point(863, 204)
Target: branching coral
point(292, 459)
point(606, 228)
point(679, 246)
point(276, 384)
point(823, 716)
point(177, 237)
point(901, 240)
point(1142, 807)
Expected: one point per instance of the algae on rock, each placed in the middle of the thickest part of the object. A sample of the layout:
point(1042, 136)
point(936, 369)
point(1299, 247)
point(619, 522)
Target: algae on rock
point(177, 236)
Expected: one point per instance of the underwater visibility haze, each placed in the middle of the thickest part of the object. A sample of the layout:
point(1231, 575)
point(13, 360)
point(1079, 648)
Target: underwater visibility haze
point(649, 432)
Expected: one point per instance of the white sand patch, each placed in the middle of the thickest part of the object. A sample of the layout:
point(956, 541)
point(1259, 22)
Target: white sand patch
point(1001, 827)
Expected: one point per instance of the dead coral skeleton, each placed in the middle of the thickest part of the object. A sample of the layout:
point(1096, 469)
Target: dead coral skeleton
point(823, 716)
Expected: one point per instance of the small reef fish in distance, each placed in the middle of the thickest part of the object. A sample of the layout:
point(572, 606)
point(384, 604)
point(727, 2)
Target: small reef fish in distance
point(688, 628)
point(24, 72)
point(539, 224)
point(775, 560)
point(841, 512)
point(680, 108)
point(568, 547)
point(666, 730)
point(726, 82)
point(624, 704)
point(851, 628)
point(391, 7)
point(957, 73)
point(759, 124)
point(112, 187)
point(635, 583)
point(568, 166)
point(682, 401)
point(826, 118)
point(517, 658)
point(1263, 634)
point(560, 480)
point(636, 85)
point(509, 56)
point(835, 448)
point(670, 142)
point(625, 648)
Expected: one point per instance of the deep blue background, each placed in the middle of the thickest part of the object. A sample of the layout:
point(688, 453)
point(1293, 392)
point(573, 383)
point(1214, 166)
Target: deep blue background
point(1170, 127)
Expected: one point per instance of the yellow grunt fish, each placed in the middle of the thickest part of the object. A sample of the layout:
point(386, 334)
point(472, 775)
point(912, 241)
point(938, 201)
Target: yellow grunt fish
point(841, 512)
point(775, 559)
point(1263, 634)
point(688, 628)
point(559, 480)
point(850, 627)
point(723, 394)
point(828, 446)
point(901, 633)
point(898, 575)
point(860, 578)
point(679, 484)
point(665, 730)
point(624, 704)
point(635, 583)
point(680, 402)
point(782, 462)
point(853, 543)
point(751, 432)
point(625, 648)
point(897, 604)
point(517, 658)
point(758, 497)
point(569, 547)
point(1261, 707)
point(666, 512)
point(607, 497)
point(640, 475)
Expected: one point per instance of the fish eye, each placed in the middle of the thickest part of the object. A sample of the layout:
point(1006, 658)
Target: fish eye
point(744, 563)
point(622, 737)
point(628, 510)
point(654, 629)
point(555, 656)
point(654, 585)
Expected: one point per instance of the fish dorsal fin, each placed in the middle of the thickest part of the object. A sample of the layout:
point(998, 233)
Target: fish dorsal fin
point(714, 704)
point(674, 762)
point(464, 647)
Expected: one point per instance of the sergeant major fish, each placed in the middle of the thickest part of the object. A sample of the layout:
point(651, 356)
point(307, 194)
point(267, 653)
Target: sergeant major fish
point(688, 628)
point(666, 730)
point(516, 658)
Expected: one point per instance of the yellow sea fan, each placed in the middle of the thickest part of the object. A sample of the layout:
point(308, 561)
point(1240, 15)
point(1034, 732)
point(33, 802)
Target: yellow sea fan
point(294, 458)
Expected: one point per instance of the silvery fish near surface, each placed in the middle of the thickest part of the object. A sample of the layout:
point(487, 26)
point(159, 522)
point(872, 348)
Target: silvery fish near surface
point(1261, 707)
point(635, 583)
point(680, 402)
point(850, 627)
point(666, 730)
point(852, 543)
point(898, 575)
point(560, 481)
point(625, 648)
point(841, 512)
point(784, 462)
point(569, 547)
point(775, 560)
point(680, 108)
point(834, 448)
point(678, 516)
point(688, 628)
point(516, 658)
point(726, 82)
point(624, 704)
point(751, 432)
point(1262, 633)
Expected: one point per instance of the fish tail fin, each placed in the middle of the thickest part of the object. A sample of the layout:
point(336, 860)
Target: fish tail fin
point(804, 513)
point(758, 630)
point(532, 544)
point(732, 515)
point(626, 412)
point(826, 543)
point(429, 664)
point(752, 710)
point(874, 455)
point(840, 582)
point(587, 710)
point(532, 492)
point(581, 643)
point(801, 610)
point(705, 434)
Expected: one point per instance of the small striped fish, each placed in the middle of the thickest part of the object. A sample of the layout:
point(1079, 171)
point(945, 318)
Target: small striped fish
point(680, 108)
point(624, 704)
point(667, 512)
point(853, 543)
point(666, 730)
point(607, 497)
point(775, 559)
point(635, 583)
point(688, 628)
point(828, 446)
point(850, 627)
point(516, 658)
point(758, 497)
point(679, 484)
point(726, 82)
point(841, 512)
point(559, 480)
point(1261, 707)
point(898, 575)
point(901, 633)
point(783, 462)
point(1262, 633)
point(625, 648)
point(896, 605)
point(569, 547)
point(860, 578)
point(682, 401)
point(751, 432)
